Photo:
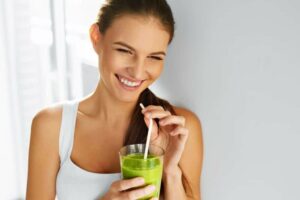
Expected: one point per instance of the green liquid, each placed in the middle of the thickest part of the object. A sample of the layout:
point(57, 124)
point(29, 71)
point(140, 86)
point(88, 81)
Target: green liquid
point(134, 165)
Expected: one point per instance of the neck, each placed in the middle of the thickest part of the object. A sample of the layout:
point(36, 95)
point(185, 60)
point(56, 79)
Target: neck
point(110, 110)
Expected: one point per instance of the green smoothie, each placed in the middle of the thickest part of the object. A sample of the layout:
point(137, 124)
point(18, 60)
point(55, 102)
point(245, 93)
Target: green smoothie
point(134, 165)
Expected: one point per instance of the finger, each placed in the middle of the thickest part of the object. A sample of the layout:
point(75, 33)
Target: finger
point(128, 183)
point(138, 193)
point(147, 122)
point(152, 107)
point(157, 114)
point(180, 131)
point(172, 119)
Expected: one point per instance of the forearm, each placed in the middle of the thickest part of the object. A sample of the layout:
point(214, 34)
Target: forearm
point(173, 186)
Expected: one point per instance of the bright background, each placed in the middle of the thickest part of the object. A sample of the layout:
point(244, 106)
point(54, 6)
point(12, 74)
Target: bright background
point(235, 63)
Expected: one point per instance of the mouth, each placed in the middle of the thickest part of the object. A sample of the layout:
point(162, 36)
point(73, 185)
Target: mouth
point(127, 83)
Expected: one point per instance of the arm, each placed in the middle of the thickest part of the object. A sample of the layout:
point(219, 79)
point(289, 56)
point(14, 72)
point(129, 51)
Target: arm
point(173, 185)
point(43, 155)
point(183, 182)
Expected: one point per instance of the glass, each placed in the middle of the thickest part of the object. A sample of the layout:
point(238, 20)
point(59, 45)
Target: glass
point(133, 165)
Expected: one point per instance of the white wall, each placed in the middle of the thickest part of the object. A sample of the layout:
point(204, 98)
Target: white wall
point(237, 65)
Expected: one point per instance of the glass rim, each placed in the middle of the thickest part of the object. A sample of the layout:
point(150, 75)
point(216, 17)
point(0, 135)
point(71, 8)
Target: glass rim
point(162, 153)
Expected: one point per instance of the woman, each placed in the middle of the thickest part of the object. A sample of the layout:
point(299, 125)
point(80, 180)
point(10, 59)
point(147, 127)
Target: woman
point(74, 147)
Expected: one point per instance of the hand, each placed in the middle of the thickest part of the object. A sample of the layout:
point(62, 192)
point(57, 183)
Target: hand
point(170, 134)
point(125, 189)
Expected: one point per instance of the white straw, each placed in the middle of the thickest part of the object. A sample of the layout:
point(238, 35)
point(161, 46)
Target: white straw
point(148, 135)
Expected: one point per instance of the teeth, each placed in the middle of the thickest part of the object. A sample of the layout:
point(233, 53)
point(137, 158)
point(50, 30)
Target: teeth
point(129, 83)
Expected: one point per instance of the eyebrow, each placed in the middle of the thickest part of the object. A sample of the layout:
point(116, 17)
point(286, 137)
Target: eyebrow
point(129, 47)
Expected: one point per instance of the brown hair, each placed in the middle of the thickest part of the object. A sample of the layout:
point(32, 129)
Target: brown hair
point(159, 9)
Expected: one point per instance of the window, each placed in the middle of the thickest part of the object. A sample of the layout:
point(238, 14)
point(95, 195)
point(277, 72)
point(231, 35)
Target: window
point(47, 54)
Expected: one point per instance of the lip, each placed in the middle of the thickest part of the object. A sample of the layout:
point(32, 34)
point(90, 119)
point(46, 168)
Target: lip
point(128, 88)
point(130, 79)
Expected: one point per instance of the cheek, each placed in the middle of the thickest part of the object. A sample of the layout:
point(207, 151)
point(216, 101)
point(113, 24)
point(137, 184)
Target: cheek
point(155, 70)
point(110, 61)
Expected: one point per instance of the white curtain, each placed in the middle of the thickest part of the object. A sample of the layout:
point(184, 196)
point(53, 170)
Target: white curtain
point(45, 54)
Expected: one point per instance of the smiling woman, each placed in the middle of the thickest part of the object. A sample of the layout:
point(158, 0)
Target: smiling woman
point(77, 158)
point(135, 62)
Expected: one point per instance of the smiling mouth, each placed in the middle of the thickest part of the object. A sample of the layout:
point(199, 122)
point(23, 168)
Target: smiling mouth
point(129, 84)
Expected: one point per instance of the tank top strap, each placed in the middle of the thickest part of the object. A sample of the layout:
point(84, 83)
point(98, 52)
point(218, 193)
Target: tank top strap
point(66, 135)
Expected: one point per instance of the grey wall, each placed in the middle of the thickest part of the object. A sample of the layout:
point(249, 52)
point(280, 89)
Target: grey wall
point(237, 65)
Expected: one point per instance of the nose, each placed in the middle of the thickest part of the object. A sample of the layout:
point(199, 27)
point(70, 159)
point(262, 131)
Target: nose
point(136, 70)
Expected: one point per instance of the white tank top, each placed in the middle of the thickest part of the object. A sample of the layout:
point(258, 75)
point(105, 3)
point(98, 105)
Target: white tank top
point(73, 182)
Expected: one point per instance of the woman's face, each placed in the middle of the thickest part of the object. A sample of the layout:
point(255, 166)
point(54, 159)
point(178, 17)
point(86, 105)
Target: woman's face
point(131, 55)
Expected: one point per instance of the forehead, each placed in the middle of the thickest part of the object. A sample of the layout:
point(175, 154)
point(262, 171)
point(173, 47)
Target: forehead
point(141, 33)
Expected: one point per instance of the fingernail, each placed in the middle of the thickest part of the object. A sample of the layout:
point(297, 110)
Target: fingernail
point(140, 181)
point(150, 188)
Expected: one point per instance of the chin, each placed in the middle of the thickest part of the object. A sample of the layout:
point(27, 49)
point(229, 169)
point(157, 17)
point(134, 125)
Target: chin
point(128, 99)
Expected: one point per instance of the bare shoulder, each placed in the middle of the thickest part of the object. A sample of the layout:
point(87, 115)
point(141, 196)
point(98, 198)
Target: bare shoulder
point(46, 125)
point(48, 116)
point(191, 118)
point(192, 157)
point(193, 124)
point(43, 162)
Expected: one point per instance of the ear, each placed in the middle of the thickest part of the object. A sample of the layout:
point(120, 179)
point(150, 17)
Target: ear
point(96, 37)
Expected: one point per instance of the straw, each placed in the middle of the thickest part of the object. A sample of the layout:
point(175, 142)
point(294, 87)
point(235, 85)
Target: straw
point(148, 135)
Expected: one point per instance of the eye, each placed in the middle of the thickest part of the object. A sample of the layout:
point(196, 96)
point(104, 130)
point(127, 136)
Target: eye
point(123, 51)
point(156, 58)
